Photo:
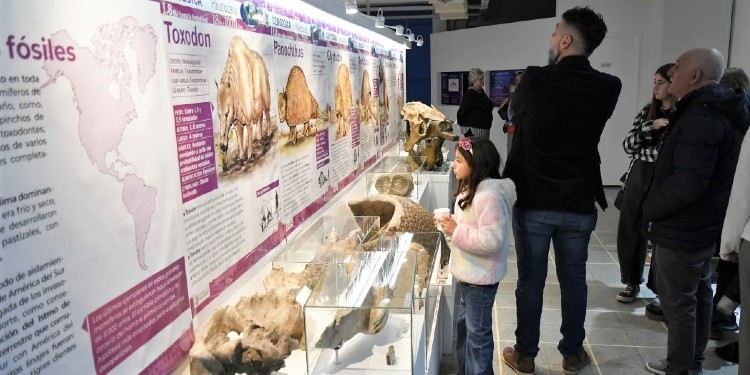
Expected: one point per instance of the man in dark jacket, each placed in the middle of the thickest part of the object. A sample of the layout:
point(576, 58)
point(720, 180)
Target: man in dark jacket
point(560, 110)
point(685, 208)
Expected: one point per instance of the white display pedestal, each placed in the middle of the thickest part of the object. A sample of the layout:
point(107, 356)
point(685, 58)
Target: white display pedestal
point(438, 193)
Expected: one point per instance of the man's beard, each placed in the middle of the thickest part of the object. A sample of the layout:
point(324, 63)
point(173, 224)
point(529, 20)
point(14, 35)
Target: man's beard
point(553, 56)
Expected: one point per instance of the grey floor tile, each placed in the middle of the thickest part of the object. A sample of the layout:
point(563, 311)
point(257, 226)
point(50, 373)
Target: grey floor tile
point(619, 338)
point(615, 357)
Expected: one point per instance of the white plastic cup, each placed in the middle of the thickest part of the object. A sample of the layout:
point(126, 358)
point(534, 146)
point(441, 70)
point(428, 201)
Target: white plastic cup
point(441, 213)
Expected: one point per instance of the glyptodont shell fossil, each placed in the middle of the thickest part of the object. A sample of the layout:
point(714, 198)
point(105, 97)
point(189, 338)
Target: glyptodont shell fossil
point(397, 214)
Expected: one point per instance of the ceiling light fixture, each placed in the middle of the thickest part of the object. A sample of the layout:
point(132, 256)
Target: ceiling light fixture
point(409, 35)
point(380, 19)
point(351, 6)
point(398, 29)
point(420, 41)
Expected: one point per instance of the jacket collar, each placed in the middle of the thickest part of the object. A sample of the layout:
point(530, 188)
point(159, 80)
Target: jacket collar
point(575, 61)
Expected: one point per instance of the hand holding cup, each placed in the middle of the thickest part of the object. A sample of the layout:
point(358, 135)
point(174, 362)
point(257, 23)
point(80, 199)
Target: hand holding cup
point(444, 221)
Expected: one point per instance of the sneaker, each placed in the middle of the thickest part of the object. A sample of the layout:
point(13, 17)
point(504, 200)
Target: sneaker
point(574, 363)
point(729, 352)
point(628, 295)
point(657, 367)
point(654, 311)
point(723, 322)
point(518, 363)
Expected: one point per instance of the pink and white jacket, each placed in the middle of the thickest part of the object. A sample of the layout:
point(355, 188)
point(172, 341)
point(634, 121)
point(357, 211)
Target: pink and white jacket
point(482, 235)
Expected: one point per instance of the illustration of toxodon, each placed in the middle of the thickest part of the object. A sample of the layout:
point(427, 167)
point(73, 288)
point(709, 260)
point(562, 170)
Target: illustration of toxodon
point(243, 98)
point(298, 106)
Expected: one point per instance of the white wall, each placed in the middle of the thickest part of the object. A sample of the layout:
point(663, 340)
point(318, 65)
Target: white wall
point(660, 29)
point(696, 23)
point(741, 39)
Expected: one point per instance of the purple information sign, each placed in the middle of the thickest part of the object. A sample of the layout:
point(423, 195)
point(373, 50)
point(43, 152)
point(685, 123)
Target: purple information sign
point(195, 149)
point(126, 323)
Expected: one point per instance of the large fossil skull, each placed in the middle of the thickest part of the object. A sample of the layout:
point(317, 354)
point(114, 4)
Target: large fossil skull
point(427, 123)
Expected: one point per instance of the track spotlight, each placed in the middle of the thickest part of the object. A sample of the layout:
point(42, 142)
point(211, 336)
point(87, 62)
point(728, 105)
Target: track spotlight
point(409, 35)
point(420, 41)
point(351, 6)
point(380, 20)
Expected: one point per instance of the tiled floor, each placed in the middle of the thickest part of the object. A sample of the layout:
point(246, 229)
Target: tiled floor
point(619, 338)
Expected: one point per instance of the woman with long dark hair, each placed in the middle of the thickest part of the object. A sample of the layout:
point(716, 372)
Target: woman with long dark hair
point(642, 144)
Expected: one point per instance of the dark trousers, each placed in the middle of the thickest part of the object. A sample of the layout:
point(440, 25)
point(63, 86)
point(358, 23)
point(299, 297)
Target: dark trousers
point(684, 281)
point(728, 282)
point(745, 313)
point(631, 244)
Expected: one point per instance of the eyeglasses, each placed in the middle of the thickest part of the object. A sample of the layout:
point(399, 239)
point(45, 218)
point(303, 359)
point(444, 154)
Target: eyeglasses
point(660, 82)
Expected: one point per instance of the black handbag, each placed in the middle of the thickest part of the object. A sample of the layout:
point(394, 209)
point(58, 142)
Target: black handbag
point(618, 198)
point(621, 192)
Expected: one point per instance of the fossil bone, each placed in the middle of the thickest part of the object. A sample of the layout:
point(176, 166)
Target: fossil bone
point(427, 123)
point(400, 184)
point(270, 327)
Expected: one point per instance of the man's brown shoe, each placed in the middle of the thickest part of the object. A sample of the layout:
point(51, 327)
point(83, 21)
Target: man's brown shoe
point(574, 363)
point(518, 363)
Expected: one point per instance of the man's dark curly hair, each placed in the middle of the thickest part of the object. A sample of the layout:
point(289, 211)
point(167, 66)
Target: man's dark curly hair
point(589, 24)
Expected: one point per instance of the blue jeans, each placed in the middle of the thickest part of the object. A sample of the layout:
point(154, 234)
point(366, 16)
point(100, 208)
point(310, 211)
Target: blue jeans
point(570, 233)
point(474, 342)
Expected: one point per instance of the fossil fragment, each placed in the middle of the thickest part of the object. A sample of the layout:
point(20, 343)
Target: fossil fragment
point(399, 214)
point(270, 326)
point(350, 321)
point(390, 357)
point(400, 184)
point(281, 282)
point(381, 298)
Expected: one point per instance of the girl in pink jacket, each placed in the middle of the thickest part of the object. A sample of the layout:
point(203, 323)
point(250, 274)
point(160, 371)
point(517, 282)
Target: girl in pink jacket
point(480, 231)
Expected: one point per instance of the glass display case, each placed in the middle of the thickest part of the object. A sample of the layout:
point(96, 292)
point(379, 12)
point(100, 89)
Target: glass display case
point(369, 310)
point(300, 265)
point(398, 175)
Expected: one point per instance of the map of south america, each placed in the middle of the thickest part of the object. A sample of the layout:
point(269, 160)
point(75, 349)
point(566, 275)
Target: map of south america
point(101, 81)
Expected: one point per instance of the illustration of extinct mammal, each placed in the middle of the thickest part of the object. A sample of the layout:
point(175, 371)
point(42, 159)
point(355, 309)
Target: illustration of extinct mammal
point(366, 104)
point(243, 98)
point(383, 94)
point(298, 106)
point(427, 123)
point(342, 96)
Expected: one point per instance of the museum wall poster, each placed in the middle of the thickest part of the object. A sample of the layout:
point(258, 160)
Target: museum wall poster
point(152, 152)
point(502, 83)
point(452, 87)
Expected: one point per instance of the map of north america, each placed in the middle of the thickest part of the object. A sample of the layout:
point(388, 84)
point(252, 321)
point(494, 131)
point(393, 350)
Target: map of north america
point(100, 79)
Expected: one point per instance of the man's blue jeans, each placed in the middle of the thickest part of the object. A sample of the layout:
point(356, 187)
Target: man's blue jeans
point(474, 342)
point(570, 234)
